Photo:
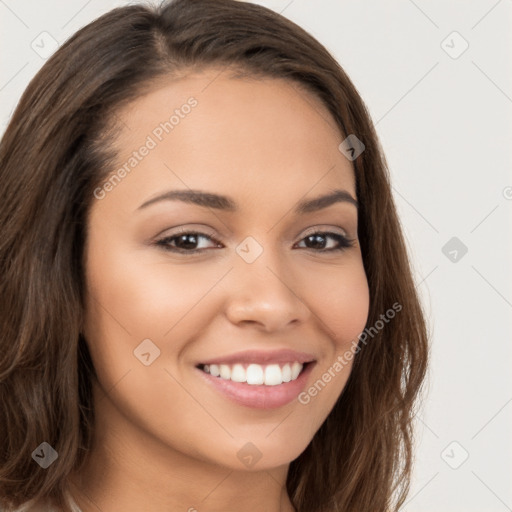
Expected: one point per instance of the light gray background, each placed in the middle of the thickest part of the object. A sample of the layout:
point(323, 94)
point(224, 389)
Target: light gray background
point(445, 123)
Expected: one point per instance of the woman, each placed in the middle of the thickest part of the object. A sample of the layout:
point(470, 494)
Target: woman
point(206, 300)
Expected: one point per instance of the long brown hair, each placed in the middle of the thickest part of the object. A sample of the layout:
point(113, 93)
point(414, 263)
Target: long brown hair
point(52, 157)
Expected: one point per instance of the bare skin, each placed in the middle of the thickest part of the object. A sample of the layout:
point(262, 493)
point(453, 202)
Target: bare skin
point(165, 439)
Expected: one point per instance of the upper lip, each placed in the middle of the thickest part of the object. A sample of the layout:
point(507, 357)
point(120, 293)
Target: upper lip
point(262, 357)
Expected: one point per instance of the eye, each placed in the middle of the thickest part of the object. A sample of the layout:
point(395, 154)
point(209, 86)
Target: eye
point(186, 242)
point(318, 238)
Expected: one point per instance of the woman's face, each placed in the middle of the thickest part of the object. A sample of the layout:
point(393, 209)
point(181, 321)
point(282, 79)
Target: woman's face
point(247, 283)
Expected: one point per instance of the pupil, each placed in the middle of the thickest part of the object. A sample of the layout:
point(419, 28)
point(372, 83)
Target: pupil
point(317, 239)
point(191, 244)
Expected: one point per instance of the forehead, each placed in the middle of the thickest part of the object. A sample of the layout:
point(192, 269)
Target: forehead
point(210, 131)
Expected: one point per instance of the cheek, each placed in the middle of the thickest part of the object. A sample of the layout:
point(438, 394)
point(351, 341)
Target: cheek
point(133, 298)
point(341, 301)
point(145, 296)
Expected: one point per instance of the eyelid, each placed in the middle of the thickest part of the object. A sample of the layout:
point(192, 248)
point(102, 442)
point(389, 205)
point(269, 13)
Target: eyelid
point(323, 228)
point(202, 230)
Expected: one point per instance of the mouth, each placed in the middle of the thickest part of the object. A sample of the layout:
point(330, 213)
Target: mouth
point(258, 386)
point(256, 374)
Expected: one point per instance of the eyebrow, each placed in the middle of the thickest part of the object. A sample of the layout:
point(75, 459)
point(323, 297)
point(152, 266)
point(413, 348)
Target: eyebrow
point(220, 202)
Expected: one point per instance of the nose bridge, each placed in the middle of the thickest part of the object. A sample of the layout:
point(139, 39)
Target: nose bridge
point(261, 261)
point(264, 290)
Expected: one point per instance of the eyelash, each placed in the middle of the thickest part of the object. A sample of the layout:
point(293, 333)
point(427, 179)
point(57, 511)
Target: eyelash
point(343, 241)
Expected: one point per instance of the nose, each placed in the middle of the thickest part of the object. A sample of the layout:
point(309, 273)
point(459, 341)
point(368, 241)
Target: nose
point(265, 295)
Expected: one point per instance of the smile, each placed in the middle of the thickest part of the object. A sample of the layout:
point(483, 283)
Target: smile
point(258, 386)
point(256, 374)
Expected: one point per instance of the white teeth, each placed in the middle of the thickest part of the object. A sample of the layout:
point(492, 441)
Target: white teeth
point(256, 374)
point(273, 375)
point(238, 373)
point(296, 369)
point(225, 371)
point(214, 370)
point(287, 373)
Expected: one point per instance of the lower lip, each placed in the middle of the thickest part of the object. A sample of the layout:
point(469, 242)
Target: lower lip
point(260, 397)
